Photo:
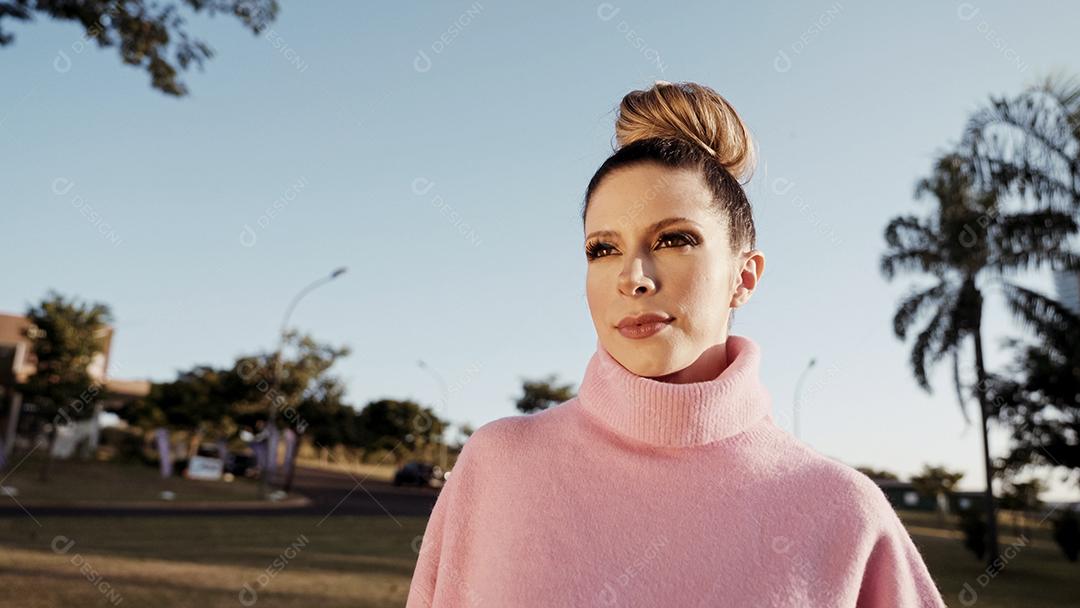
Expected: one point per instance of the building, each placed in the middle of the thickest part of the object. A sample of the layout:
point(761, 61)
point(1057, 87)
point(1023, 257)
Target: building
point(903, 495)
point(17, 363)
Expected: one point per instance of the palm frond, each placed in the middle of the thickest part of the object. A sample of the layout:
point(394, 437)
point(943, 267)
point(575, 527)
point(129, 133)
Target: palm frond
point(919, 260)
point(1030, 142)
point(911, 307)
point(1049, 319)
point(962, 311)
point(924, 344)
point(1028, 239)
point(909, 232)
point(1066, 89)
point(959, 385)
point(912, 245)
point(1023, 178)
point(1014, 261)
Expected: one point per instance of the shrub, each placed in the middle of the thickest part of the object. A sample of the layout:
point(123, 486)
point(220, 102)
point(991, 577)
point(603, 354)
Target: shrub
point(974, 529)
point(1067, 534)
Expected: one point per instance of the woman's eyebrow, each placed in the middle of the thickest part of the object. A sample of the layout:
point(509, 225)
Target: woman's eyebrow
point(653, 228)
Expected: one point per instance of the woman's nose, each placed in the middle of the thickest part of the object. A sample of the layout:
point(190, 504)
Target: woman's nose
point(634, 281)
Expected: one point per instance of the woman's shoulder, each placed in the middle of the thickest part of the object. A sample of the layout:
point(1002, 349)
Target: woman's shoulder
point(513, 433)
point(838, 484)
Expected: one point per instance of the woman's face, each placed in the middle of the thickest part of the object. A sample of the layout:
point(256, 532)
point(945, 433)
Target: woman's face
point(654, 245)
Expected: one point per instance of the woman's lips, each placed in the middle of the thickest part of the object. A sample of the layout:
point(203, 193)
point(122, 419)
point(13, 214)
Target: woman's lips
point(644, 330)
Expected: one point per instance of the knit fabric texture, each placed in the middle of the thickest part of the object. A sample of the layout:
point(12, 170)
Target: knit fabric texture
point(638, 492)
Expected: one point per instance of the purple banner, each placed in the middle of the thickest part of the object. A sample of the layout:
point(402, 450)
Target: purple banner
point(164, 452)
point(272, 449)
point(259, 448)
point(290, 448)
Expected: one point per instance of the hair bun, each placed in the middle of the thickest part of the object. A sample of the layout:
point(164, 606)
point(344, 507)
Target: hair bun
point(692, 112)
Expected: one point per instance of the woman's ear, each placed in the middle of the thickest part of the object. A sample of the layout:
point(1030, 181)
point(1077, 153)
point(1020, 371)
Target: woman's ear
point(747, 276)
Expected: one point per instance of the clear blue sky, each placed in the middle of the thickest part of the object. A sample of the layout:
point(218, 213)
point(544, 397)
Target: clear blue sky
point(452, 192)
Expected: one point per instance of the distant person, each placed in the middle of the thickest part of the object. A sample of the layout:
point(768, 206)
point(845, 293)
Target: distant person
point(666, 481)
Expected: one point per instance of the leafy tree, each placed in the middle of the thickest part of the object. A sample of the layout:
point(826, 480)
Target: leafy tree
point(151, 35)
point(326, 413)
point(975, 532)
point(209, 400)
point(1021, 497)
point(967, 241)
point(1067, 534)
point(286, 381)
point(873, 473)
point(257, 386)
point(541, 394)
point(197, 399)
point(936, 481)
point(65, 336)
point(399, 426)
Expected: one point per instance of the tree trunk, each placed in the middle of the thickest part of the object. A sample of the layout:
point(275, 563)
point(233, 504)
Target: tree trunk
point(43, 472)
point(194, 441)
point(991, 510)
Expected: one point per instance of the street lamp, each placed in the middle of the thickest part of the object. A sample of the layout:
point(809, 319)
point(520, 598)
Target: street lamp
point(272, 458)
point(798, 390)
point(446, 400)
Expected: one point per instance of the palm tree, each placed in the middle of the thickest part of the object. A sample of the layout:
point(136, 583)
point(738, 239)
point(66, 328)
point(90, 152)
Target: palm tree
point(965, 244)
point(1030, 144)
point(1042, 403)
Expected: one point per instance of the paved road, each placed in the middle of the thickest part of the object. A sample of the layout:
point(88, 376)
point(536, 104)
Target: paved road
point(329, 491)
point(352, 495)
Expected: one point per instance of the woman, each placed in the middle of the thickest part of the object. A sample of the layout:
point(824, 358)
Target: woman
point(665, 481)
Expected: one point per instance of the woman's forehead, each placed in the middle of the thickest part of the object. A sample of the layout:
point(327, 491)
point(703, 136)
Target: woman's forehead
point(629, 215)
point(644, 194)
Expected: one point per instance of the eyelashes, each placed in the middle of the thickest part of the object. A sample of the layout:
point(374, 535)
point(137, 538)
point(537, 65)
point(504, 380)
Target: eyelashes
point(593, 249)
point(598, 249)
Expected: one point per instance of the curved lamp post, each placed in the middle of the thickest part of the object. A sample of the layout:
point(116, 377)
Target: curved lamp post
point(446, 400)
point(272, 418)
point(798, 394)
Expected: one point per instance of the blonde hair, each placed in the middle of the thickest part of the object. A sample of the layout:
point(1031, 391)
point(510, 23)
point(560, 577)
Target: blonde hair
point(688, 125)
point(690, 111)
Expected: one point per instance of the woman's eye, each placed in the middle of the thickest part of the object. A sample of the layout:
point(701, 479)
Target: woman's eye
point(672, 239)
point(679, 238)
point(596, 250)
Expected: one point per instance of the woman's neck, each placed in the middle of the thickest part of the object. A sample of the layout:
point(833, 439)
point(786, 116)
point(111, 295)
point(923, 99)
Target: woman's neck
point(709, 365)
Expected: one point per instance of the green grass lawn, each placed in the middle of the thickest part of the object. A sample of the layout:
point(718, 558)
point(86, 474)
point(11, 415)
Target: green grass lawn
point(206, 561)
point(1035, 572)
point(79, 481)
point(361, 562)
point(373, 471)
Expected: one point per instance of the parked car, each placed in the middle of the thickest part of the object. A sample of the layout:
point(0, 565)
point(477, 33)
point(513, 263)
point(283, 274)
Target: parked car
point(241, 465)
point(419, 473)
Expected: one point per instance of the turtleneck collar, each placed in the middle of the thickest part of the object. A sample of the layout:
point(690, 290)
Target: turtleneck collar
point(677, 415)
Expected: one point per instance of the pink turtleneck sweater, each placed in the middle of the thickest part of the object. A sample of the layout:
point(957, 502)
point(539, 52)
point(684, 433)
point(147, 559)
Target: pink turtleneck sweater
point(638, 492)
